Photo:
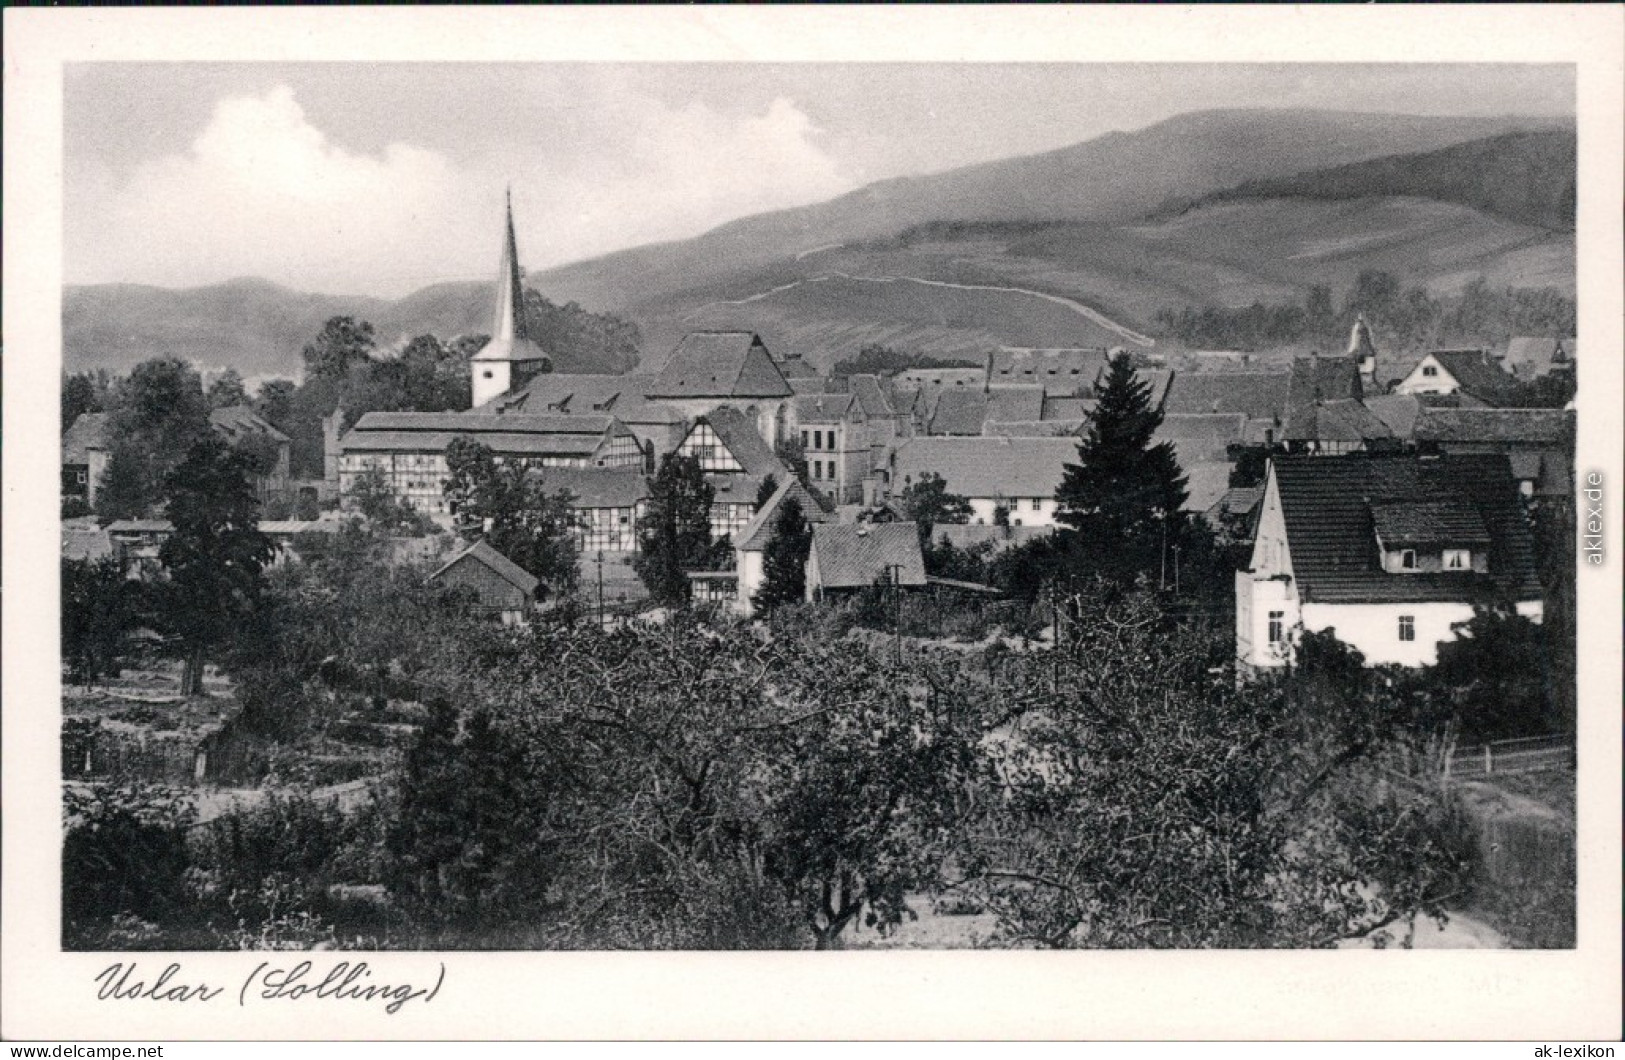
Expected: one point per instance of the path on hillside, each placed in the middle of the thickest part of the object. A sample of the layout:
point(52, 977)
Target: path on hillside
point(1077, 307)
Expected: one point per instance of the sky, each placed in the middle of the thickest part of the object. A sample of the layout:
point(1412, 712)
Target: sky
point(380, 178)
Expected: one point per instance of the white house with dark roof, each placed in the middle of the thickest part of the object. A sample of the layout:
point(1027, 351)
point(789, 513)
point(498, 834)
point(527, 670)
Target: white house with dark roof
point(1388, 552)
point(736, 460)
point(1470, 375)
point(709, 369)
point(847, 557)
point(750, 541)
point(1020, 475)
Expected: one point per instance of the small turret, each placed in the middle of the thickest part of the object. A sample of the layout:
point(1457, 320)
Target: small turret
point(1361, 349)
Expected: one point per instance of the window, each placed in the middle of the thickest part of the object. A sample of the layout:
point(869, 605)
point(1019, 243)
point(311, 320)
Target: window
point(1430, 370)
point(1277, 627)
point(803, 439)
point(486, 374)
point(1038, 504)
point(1407, 559)
point(1457, 559)
point(1407, 627)
point(83, 477)
point(829, 470)
point(817, 468)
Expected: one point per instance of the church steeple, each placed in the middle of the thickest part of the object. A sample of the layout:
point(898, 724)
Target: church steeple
point(511, 358)
point(1362, 350)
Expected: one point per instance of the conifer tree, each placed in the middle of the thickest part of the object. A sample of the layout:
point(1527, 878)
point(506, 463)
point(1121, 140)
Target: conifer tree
point(1125, 494)
point(676, 534)
point(784, 560)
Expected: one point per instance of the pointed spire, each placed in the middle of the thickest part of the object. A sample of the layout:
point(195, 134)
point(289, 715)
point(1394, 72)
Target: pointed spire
point(509, 322)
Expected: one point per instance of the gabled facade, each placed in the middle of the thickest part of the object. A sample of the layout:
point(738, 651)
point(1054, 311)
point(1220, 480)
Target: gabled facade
point(1390, 553)
point(1470, 374)
point(750, 541)
point(735, 460)
point(709, 369)
point(499, 586)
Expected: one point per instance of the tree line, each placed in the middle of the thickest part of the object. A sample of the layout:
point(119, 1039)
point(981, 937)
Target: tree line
point(1403, 319)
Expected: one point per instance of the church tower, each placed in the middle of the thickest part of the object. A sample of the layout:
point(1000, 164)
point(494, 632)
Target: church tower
point(510, 359)
point(1363, 352)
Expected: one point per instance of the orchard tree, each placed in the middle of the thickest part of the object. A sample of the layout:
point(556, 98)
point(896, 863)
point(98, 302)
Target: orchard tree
point(928, 503)
point(215, 556)
point(99, 611)
point(784, 560)
point(1124, 496)
point(506, 505)
point(159, 412)
point(676, 535)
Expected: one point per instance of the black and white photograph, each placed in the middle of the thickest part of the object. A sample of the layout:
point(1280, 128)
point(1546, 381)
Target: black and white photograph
point(559, 506)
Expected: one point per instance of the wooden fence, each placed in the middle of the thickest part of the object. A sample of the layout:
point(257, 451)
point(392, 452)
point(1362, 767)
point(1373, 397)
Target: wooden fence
point(1536, 754)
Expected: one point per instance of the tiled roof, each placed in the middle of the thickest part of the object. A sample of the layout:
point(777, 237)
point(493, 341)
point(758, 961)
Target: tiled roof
point(754, 535)
point(793, 366)
point(87, 545)
point(823, 408)
point(88, 431)
point(988, 466)
point(738, 432)
point(1314, 380)
point(1201, 436)
point(1015, 403)
point(596, 487)
point(855, 555)
point(1331, 531)
point(1034, 428)
point(513, 433)
point(1160, 380)
point(1476, 373)
point(720, 364)
point(1345, 420)
point(1237, 500)
point(958, 412)
point(813, 384)
point(1450, 522)
point(1257, 395)
point(1531, 426)
point(943, 378)
point(1398, 412)
point(1205, 482)
point(1068, 371)
point(622, 396)
point(502, 566)
point(867, 389)
point(240, 421)
point(1068, 408)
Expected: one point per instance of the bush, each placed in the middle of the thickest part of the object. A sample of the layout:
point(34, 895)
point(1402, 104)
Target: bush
point(125, 853)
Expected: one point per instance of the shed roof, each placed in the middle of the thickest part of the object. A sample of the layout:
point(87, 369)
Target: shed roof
point(856, 555)
point(1329, 502)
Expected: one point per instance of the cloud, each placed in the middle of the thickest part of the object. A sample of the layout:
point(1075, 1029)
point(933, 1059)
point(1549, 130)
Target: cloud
point(262, 191)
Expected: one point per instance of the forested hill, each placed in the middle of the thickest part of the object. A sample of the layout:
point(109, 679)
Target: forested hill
point(1526, 177)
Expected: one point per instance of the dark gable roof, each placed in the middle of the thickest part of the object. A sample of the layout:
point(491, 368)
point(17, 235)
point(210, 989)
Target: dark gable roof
point(1317, 379)
point(1328, 505)
point(871, 396)
point(1256, 395)
point(855, 555)
point(596, 487)
point(1476, 373)
point(720, 364)
point(1398, 412)
point(240, 421)
point(958, 412)
point(505, 568)
point(1529, 426)
point(754, 535)
point(738, 432)
point(88, 431)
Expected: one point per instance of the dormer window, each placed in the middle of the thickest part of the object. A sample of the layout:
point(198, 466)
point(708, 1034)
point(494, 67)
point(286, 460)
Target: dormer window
point(1407, 559)
point(1458, 559)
